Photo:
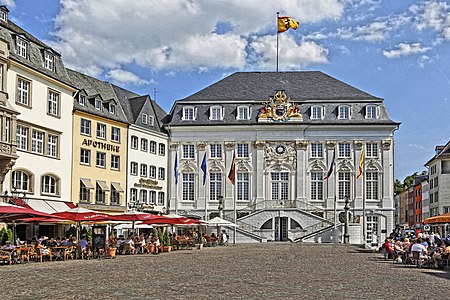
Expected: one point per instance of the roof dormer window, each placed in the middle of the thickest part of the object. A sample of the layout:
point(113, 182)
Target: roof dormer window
point(4, 13)
point(243, 113)
point(216, 113)
point(344, 112)
point(112, 108)
point(82, 99)
point(317, 112)
point(188, 113)
point(22, 47)
point(98, 104)
point(49, 61)
point(151, 120)
point(371, 112)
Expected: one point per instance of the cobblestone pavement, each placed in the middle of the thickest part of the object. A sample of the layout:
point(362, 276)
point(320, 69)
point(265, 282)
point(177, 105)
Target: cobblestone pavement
point(250, 271)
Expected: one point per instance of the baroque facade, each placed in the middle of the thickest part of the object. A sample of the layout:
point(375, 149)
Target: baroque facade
point(295, 141)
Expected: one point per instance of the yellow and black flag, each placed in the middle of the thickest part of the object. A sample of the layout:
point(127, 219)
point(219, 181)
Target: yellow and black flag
point(284, 23)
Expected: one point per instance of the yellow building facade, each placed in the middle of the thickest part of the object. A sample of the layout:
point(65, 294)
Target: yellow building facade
point(99, 162)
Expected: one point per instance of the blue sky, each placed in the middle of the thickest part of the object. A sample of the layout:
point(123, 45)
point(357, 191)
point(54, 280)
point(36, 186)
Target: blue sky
point(395, 50)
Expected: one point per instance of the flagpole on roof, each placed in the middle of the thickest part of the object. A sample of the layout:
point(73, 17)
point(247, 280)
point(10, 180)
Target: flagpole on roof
point(278, 14)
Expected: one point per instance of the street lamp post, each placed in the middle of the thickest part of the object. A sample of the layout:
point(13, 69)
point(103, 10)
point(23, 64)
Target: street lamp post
point(346, 228)
point(14, 199)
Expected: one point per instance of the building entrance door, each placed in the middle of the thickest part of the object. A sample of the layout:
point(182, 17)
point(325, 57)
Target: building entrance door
point(281, 228)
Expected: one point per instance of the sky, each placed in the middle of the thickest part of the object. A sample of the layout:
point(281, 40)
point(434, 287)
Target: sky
point(170, 49)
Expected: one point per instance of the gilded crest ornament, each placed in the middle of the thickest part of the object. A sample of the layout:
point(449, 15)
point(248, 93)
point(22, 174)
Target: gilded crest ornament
point(279, 108)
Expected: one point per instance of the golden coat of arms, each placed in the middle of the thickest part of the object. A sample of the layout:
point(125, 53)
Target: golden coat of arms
point(279, 108)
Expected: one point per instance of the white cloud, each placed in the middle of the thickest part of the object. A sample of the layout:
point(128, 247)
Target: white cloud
point(423, 60)
point(9, 3)
point(292, 55)
point(373, 32)
point(172, 34)
point(124, 77)
point(404, 49)
point(433, 15)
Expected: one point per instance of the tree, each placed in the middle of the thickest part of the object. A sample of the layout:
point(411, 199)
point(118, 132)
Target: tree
point(407, 182)
point(398, 187)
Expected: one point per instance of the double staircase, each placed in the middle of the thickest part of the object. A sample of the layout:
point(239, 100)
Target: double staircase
point(318, 219)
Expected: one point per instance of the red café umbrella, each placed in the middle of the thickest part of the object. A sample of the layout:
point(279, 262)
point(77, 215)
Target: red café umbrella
point(10, 212)
point(80, 214)
point(133, 216)
point(162, 220)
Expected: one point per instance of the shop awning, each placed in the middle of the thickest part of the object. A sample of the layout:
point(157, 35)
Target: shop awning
point(49, 206)
point(87, 183)
point(117, 186)
point(102, 185)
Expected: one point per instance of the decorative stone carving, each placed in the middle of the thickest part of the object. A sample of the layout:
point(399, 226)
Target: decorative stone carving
point(331, 144)
point(230, 145)
point(279, 108)
point(359, 145)
point(280, 153)
point(386, 144)
point(260, 144)
point(301, 145)
point(201, 145)
point(173, 146)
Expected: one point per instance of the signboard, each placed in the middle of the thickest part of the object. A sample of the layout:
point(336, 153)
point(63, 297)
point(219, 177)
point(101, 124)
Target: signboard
point(426, 227)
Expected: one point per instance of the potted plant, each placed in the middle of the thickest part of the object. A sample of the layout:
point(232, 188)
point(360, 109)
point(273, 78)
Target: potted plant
point(166, 242)
point(112, 249)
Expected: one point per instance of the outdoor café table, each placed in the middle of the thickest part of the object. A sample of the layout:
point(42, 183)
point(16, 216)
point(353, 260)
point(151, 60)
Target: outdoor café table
point(58, 251)
point(185, 243)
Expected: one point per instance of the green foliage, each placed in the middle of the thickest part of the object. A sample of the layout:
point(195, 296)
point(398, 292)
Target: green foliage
point(166, 239)
point(407, 182)
point(6, 235)
point(201, 239)
point(87, 232)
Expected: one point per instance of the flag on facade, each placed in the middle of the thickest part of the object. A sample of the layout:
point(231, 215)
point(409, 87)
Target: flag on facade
point(361, 163)
point(203, 166)
point(175, 168)
point(284, 23)
point(330, 171)
point(231, 174)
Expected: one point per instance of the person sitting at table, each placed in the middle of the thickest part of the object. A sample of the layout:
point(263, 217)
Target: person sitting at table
point(213, 239)
point(83, 243)
point(423, 252)
point(43, 248)
point(52, 243)
point(65, 242)
point(130, 244)
point(441, 255)
point(8, 246)
point(119, 243)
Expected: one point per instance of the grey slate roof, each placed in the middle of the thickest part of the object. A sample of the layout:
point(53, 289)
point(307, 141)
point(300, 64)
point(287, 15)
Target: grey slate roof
point(9, 31)
point(307, 85)
point(253, 88)
point(94, 88)
point(443, 153)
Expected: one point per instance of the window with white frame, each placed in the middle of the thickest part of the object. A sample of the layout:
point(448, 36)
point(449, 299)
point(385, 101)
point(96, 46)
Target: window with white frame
point(161, 149)
point(85, 193)
point(23, 91)
point(53, 103)
point(112, 108)
point(144, 145)
point(161, 198)
point(344, 185)
point(371, 150)
point(344, 150)
point(143, 172)
point(37, 142)
point(243, 113)
point(215, 113)
point(152, 197)
point(188, 186)
point(344, 112)
point(115, 134)
point(188, 151)
point(371, 112)
point(85, 127)
point(144, 118)
point(98, 104)
point(316, 185)
point(20, 180)
point(3, 16)
point(100, 194)
point(151, 120)
point(152, 172)
point(101, 160)
point(371, 185)
point(82, 100)
point(143, 196)
point(49, 185)
point(52, 145)
point(280, 185)
point(85, 156)
point(242, 150)
point(243, 186)
point(316, 150)
point(133, 195)
point(22, 47)
point(215, 186)
point(7, 131)
point(188, 113)
point(49, 61)
point(101, 131)
point(316, 112)
point(22, 137)
point(134, 142)
point(216, 150)
point(161, 173)
point(115, 162)
point(133, 168)
point(152, 148)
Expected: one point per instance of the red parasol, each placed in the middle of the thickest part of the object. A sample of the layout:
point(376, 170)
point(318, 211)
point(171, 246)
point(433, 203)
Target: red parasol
point(81, 214)
point(10, 212)
point(133, 216)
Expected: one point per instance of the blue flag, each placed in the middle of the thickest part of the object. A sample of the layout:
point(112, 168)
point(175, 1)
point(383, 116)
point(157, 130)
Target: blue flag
point(204, 168)
point(175, 168)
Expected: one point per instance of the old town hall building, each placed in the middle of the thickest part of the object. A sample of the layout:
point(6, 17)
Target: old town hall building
point(284, 151)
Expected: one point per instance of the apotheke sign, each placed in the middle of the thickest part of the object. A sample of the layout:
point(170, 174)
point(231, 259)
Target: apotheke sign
point(101, 145)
